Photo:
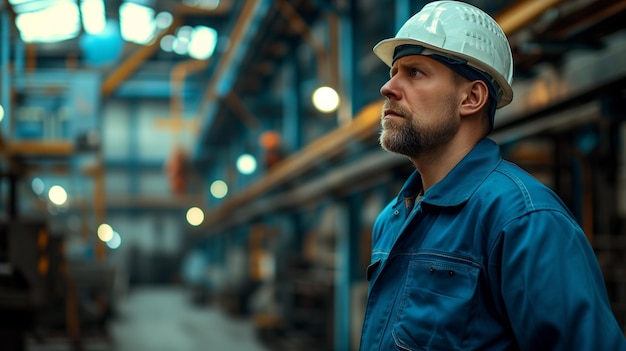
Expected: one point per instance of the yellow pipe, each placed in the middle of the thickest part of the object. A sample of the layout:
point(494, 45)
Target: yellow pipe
point(39, 148)
point(134, 61)
point(299, 24)
point(178, 75)
point(362, 126)
point(520, 14)
point(595, 17)
point(177, 80)
point(240, 28)
point(245, 115)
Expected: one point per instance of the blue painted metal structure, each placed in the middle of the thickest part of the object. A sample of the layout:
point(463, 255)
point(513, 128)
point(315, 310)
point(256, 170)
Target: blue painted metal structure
point(5, 59)
point(225, 79)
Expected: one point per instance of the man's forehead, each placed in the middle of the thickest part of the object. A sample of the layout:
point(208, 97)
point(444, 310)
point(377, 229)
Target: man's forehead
point(415, 60)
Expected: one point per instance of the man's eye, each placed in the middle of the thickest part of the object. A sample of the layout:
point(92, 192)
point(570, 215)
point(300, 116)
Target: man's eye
point(415, 72)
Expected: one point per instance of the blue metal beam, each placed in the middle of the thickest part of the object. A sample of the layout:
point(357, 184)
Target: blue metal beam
point(345, 249)
point(403, 12)
point(133, 161)
point(292, 123)
point(343, 285)
point(133, 149)
point(5, 98)
point(227, 68)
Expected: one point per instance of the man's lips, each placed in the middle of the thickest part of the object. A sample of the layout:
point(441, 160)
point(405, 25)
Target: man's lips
point(390, 113)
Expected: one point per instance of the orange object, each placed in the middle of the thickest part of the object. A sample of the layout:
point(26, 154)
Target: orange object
point(176, 170)
point(270, 140)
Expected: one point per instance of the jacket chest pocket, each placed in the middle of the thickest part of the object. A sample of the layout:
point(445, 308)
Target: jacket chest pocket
point(372, 272)
point(436, 304)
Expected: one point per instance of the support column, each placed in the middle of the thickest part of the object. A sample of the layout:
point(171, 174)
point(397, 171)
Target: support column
point(5, 58)
point(292, 122)
point(347, 218)
point(348, 227)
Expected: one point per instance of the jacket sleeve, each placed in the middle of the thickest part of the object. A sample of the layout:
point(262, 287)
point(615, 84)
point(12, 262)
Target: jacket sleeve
point(552, 286)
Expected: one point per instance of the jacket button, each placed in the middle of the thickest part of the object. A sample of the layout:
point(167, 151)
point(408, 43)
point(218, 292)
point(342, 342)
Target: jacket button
point(451, 272)
point(432, 269)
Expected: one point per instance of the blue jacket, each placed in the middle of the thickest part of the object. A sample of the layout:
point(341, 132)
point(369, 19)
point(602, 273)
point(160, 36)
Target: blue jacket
point(488, 259)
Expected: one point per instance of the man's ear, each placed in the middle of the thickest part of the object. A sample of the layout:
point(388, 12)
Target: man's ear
point(476, 98)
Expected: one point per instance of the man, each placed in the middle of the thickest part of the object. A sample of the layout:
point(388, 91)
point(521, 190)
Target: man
point(474, 253)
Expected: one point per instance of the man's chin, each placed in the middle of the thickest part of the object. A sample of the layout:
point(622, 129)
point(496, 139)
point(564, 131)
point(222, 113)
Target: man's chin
point(395, 144)
point(388, 145)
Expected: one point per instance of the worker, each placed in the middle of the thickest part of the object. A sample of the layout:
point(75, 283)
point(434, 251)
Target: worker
point(473, 253)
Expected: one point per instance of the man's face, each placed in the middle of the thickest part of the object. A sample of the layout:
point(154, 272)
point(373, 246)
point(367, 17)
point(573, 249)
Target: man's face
point(421, 111)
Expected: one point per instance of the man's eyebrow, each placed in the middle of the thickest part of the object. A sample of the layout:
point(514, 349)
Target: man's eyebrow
point(419, 64)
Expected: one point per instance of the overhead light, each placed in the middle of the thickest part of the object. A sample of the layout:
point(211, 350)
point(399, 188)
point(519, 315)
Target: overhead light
point(164, 20)
point(115, 242)
point(137, 23)
point(246, 164)
point(203, 42)
point(167, 43)
point(93, 16)
point(184, 32)
point(219, 189)
point(49, 21)
point(203, 4)
point(37, 185)
point(195, 216)
point(180, 45)
point(105, 232)
point(325, 99)
point(198, 42)
point(57, 195)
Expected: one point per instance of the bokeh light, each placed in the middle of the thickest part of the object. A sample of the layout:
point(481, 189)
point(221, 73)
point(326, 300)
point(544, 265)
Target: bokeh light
point(105, 232)
point(195, 216)
point(219, 189)
point(325, 99)
point(246, 164)
point(57, 195)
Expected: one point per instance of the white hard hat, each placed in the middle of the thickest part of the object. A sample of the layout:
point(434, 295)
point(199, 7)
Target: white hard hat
point(462, 31)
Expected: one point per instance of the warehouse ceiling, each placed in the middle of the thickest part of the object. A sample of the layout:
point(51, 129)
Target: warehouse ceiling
point(255, 37)
point(571, 24)
point(58, 30)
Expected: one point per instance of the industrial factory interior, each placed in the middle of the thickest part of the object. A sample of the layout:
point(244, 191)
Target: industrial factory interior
point(204, 175)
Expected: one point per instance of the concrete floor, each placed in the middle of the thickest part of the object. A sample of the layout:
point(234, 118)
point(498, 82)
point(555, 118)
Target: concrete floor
point(163, 319)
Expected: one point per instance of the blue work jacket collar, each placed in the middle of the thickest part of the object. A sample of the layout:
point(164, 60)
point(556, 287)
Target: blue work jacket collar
point(461, 182)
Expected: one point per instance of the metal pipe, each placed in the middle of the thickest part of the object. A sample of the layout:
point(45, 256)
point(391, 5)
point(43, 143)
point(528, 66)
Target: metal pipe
point(5, 72)
point(363, 125)
point(520, 14)
point(593, 18)
point(299, 24)
point(345, 57)
point(221, 82)
point(177, 81)
point(244, 114)
point(132, 63)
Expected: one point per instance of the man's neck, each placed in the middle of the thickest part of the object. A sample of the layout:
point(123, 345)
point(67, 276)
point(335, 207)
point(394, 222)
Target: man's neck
point(434, 165)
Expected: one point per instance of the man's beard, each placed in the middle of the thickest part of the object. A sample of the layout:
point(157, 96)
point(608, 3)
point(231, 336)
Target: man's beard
point(411, 137)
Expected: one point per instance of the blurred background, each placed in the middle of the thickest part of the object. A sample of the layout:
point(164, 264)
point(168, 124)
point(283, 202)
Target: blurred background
point(204, 174)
